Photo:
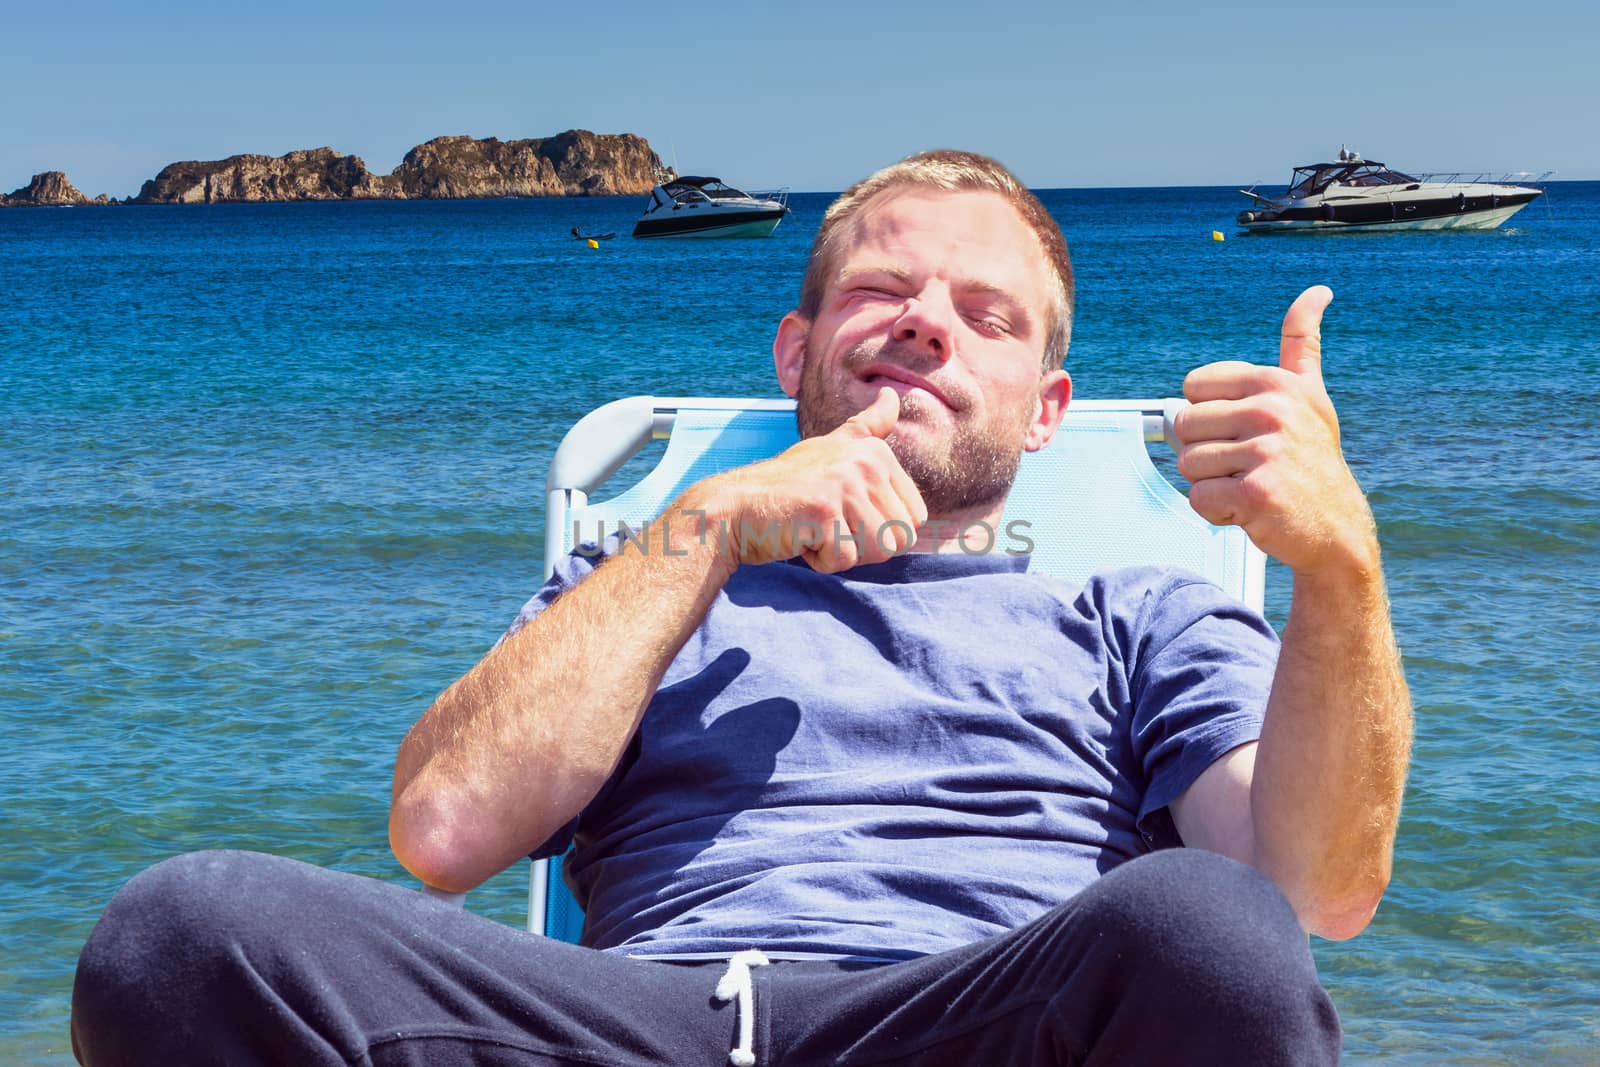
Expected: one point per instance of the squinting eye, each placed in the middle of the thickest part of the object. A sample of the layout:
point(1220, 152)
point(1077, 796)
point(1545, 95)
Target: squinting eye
point(856, 296)
point(997, 327)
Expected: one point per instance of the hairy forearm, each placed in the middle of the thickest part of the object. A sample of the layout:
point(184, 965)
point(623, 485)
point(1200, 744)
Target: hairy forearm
point(518, 745)
point(1331, 764)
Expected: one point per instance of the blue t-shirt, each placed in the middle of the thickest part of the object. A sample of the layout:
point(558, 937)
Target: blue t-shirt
point(909, 756)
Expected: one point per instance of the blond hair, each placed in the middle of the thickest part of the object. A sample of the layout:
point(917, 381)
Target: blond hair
point(951, 171)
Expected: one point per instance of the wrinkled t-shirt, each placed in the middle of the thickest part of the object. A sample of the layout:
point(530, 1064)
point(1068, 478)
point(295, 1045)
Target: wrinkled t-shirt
point(906, 757)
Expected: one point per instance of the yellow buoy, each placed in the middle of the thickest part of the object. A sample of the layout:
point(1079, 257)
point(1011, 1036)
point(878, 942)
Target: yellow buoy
point(593, 243)
point(1216, 235)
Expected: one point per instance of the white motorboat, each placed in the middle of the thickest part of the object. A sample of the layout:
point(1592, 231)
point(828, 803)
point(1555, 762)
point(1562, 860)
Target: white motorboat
point(1355, 194)
point(693, 206)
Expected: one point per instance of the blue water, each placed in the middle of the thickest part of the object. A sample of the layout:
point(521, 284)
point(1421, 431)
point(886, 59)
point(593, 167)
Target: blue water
point(271, 477)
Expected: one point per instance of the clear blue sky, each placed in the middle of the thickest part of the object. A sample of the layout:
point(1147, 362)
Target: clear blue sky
point(811, 95)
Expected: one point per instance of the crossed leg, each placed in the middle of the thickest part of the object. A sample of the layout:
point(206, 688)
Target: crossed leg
point(241, 958)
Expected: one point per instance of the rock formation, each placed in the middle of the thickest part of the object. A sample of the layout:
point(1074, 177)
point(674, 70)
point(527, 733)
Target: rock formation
point(51, 189)
point(314, 174)
point(575, 163)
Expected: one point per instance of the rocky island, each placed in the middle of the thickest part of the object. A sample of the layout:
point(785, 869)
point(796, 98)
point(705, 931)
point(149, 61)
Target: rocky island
point(574, 163)
point(51, 189)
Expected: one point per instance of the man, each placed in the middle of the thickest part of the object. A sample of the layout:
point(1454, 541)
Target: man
point(895, 806)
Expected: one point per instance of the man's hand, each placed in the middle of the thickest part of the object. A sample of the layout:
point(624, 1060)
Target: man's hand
point(810, 499)
point(1315, 804)
point(1260, 447)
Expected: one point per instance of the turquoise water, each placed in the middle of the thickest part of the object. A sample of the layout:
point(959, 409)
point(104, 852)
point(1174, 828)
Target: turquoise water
point(271, 477)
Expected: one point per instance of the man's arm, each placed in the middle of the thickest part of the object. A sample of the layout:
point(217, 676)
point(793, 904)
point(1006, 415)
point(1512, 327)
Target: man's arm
point(516, 747)
point(514, 750)
point(1316, 803)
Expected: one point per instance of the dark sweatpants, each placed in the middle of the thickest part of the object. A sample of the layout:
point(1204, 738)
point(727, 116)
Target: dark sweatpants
point(238, 958)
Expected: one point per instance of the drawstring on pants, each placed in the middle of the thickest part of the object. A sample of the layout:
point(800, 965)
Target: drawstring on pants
point(736, 983)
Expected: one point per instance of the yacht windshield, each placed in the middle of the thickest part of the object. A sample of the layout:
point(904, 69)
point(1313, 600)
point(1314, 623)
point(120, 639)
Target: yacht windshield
point(685, 189)
point(1308, 181)
point(683, 192)
point(1375, 174)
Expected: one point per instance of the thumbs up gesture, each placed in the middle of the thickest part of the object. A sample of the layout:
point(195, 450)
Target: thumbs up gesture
point(1260, 447)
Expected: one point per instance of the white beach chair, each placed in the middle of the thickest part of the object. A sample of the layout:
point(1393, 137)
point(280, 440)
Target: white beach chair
point(1092, 500)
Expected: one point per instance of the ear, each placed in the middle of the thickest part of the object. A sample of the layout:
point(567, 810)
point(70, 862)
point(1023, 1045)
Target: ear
point(1055, 393)
point(789, 351)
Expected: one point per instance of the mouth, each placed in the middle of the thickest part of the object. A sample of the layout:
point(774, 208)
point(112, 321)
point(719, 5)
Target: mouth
point(901, 381)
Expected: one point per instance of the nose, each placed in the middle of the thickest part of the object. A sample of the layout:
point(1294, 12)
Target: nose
point(927, 321)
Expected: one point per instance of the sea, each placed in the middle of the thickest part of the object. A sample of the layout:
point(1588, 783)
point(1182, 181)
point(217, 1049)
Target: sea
point(271, 477)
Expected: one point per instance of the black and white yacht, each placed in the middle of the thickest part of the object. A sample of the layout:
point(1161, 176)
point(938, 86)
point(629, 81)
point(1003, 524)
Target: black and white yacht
point(705, 207)
point(1355, 194)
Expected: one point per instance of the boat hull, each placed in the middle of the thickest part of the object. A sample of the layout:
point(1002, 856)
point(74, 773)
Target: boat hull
point(1464, 211)
point(711, 222)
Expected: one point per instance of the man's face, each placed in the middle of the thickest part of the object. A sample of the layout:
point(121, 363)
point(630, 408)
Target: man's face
point(944, 298)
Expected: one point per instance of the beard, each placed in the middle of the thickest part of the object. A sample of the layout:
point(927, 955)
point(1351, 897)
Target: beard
point(973, 467)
